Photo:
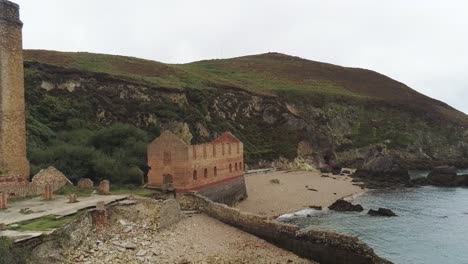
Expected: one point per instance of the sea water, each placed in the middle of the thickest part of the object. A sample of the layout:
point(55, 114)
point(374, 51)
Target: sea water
point(431, 227)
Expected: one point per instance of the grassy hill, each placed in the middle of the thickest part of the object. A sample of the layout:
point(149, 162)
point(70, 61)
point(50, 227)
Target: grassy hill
point(269, 74)
point(271, 101)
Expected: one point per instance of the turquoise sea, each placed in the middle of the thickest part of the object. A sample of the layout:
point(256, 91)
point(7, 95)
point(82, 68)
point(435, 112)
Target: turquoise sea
point(432, 226)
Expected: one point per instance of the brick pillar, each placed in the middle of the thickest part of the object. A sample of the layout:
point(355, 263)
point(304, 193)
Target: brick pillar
point(3, 200)
point(48, 192)
point(104, 187)
point(72, 198)
point(99, 216)
point(12, 118)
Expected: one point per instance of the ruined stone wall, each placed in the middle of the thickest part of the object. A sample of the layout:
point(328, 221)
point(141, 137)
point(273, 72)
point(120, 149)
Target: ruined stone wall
point(13, 160)
point(50, 176)
point(156, 215)
point(323, 247)
point(18, 187)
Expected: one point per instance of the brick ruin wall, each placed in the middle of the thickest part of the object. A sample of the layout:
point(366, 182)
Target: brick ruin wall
point(18, 187)
point(13, 162)
point(167, 155)
point(155, 214)
point(194, 167)
point(323, 247)
point(213, 163)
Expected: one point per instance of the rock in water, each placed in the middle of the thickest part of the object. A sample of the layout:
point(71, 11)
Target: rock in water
point(345, 206)
point(381, 212)
point(447, 176)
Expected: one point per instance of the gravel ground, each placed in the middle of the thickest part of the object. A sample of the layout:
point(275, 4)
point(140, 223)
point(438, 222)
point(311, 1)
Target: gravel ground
point(195, 239)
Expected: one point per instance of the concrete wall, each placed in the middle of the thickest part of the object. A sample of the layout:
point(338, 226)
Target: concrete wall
point(13, 160)
point(229, 192)
point(323, 247)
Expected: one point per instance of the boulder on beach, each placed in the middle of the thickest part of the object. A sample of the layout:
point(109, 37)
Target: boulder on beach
point(345, 206)
point(336, 170)
point(381, 212)
point(447, 176)
point(326, 169)
point(315, 207)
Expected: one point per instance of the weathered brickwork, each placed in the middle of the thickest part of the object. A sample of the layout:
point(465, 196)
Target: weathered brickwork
point(85, 183)
point(13, 160)
point(3, 200)
point(50, 176)
point(18, 187)
point(104, 187)
point(175, 165)
point(72, 198)
point(48, 193)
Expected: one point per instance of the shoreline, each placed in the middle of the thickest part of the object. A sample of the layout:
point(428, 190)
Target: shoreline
point(277, 193)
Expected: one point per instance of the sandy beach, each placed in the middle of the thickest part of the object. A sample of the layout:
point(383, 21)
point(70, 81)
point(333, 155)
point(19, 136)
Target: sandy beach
point(295, 191)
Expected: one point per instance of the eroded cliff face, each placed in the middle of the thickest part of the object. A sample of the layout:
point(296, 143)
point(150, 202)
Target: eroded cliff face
point(318, 129)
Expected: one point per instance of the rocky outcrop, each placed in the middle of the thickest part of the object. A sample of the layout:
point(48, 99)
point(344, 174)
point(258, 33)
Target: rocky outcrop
point(345, 206)
point(379, 166)
point(381, 212)
point(446, 176)
point(296, 164)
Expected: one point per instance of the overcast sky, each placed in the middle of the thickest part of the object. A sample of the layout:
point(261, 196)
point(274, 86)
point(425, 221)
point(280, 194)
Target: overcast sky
point(422, 43)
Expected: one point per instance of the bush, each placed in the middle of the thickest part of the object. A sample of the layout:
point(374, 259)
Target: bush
point(9, 254)
point(116, 153)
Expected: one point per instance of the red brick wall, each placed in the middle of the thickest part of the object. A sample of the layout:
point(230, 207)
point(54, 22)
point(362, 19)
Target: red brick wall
point(19, 187)
point(168, 155)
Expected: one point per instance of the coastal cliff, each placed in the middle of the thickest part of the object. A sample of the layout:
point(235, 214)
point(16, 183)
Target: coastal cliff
point(278, 105)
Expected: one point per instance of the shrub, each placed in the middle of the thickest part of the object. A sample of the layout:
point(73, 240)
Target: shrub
point(9, 254)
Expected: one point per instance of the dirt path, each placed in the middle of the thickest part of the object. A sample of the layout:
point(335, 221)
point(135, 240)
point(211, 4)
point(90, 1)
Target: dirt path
point(196, 239)
point(295, 191)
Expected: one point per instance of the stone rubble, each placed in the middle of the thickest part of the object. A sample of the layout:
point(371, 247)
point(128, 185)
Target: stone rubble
point(196, 239)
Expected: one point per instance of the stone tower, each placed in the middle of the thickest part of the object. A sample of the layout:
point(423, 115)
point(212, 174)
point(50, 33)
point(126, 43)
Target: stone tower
point(13, 160)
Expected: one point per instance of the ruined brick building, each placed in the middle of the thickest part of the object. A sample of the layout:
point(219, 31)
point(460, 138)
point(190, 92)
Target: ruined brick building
point(215, 169)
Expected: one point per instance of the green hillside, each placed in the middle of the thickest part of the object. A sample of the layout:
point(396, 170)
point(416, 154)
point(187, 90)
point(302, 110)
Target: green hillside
point(271, 101)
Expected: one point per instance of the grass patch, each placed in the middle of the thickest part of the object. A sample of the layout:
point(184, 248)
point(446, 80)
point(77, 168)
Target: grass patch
point(132, 190)
point(80, 192)
point(45, 223)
